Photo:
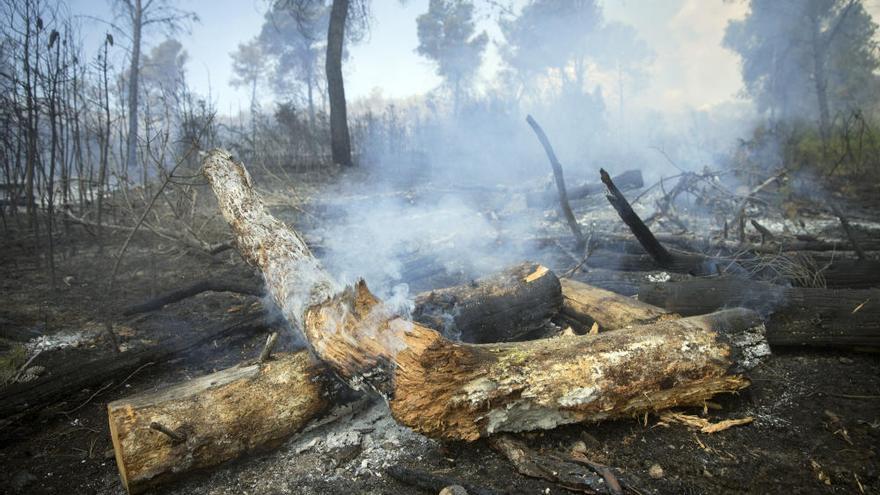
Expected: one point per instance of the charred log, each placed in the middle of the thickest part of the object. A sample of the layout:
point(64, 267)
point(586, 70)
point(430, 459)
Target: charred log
point(846, 319)
point(73, 378)
point(502, 307)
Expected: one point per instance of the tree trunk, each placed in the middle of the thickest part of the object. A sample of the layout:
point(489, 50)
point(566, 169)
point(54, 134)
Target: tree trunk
point(456, 391)
point(340, 142)
point(215, 418)
point(799, 316)
point(133, 84)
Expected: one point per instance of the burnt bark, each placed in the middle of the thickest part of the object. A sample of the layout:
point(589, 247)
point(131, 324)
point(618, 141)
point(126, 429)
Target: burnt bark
point(797, 316)
point(502, 307)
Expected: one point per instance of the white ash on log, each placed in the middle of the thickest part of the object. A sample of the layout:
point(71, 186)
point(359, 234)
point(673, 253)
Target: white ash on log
point(452, 390)
point(209, 420)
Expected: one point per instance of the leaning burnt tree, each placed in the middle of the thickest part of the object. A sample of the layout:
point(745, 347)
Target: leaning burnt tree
point(460, 391)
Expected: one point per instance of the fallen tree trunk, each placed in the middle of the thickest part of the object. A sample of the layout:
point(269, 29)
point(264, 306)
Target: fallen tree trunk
point(587, 305)
point(203, 422)
point(502, 307)
point(851, 274)
point(631, 179)
point(848, 319)
point(456, 391)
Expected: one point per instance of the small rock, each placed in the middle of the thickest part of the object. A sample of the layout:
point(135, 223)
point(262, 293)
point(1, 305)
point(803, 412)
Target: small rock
point(846, 360)
point(655, 472)
point(453, 490)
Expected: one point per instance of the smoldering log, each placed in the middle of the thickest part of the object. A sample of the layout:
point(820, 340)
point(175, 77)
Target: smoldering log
point(502, 307)
point(459, 391)
point(587, 305)
point(525, 295)
point(215, 418)
point(631, 179)
point(497, 308)
point(798, 316)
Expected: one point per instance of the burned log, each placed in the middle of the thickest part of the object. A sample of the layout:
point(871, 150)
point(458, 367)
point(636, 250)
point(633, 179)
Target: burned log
point(203, 422)
point(851, 274)
point(501, 307)
point(798, 316)
point(71, 379)
point(631, 179)
point(457, 391)
point(527, 295)
point(587, 305)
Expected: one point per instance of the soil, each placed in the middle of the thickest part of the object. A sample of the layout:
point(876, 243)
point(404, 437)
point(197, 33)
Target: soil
point(816, 415)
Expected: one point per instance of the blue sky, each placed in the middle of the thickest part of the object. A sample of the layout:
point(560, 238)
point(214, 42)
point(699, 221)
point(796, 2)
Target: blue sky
point(691, 69)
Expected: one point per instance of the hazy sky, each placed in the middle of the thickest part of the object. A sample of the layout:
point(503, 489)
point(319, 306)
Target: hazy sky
point(691, 69)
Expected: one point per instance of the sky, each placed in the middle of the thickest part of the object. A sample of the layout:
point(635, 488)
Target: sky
point(690, 70)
